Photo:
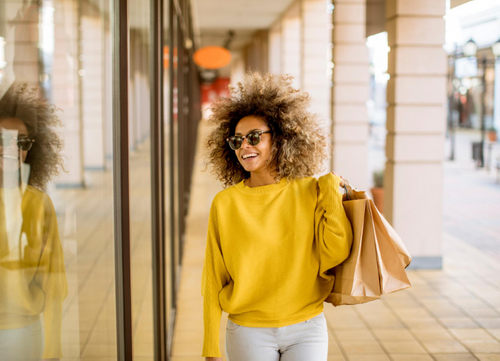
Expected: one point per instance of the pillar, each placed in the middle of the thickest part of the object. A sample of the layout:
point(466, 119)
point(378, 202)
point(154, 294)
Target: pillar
point(416, 121)
point(350, 92)
point(291, 44)
point(315, 38)
point(274, 52)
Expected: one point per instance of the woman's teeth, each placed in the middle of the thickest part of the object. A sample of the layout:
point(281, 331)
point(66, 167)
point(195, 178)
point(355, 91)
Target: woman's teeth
point(249, 156)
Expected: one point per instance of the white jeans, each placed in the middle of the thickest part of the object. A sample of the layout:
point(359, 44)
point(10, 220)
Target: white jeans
point(22, 344)
point(303, 341)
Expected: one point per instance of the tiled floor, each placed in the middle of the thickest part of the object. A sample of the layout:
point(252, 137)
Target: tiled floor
point(449, 314)
point(86, 227)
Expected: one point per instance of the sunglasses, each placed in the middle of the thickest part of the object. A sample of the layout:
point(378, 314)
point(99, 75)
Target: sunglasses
point(22, 143)
point(253, 138)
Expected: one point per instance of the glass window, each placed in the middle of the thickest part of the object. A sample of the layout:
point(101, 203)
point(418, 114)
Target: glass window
point(167, 63)
point(140, 178)
point(56, 195)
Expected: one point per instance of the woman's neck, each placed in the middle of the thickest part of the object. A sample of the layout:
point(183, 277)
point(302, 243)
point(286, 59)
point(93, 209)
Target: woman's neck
point(258, 180)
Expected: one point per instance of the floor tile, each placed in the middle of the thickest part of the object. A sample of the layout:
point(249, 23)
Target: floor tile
point(489, 322)
point(361, 347)
point(423, 324)
point(455, 357)
point(483, 313)
point(432, 335)
point(354, 335)
point(458, 322)
point(335, 358)
point(392, 335)
point(403, 347)
point(368, 357)
point(444, 346)
point(471, 334)
point(495, 332)
point(483, 346)
point(488, 357)
point(411, 357)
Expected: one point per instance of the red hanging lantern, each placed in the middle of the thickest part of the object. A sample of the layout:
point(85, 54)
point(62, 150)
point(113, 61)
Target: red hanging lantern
point(212, 57)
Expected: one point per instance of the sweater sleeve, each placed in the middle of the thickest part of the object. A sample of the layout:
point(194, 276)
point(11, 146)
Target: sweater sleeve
point(214, 277)
point(332, 227)
point(51, 275)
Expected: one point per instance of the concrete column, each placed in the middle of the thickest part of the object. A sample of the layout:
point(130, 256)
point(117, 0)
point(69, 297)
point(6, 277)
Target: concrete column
point(274, 52)
point(291, 44)
point(93, 91)
point(416, 120)
point(66, 90)
point(315, 39)
point(22, 37)
point(350, 92)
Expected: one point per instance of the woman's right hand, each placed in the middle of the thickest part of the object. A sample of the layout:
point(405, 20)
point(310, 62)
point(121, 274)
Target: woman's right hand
point(213, 358)
point(341, 179)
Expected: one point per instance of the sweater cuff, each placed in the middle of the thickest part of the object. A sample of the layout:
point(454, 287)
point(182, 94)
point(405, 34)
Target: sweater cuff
point(212, 317)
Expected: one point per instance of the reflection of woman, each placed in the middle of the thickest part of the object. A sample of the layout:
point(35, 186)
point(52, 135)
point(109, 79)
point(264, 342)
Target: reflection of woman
point(274, 234)
point(32, 275)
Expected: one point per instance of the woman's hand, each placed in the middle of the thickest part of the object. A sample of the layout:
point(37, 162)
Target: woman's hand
point(341, 179)
point(213, 358)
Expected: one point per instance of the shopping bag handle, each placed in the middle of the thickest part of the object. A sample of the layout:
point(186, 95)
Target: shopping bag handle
point(352, 194)
point(345, 188)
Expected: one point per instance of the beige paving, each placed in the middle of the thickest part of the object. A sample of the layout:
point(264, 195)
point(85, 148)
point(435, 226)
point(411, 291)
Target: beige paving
point(449, 314)
point(85, 218)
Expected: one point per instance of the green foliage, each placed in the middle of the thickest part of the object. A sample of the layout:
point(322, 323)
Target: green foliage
point(378, 178)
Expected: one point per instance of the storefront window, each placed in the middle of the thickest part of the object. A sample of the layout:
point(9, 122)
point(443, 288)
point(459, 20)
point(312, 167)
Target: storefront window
point(57, 274)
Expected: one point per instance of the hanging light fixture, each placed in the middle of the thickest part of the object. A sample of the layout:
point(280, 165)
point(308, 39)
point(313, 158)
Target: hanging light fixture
point(496, 49)
point(470, 48)
point(3, 63)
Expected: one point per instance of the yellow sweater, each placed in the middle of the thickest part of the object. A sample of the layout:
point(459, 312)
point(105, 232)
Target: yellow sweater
point(268, 252)
point(32, 273)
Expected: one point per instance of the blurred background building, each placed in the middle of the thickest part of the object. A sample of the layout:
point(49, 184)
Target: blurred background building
point(409, 89)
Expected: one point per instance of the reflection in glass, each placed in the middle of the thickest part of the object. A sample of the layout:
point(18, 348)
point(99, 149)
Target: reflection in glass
point(32, 272)
point(140, 179)
point(62, 47)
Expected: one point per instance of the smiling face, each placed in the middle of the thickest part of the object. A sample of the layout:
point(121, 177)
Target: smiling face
point(263, 149)
point(10, 153)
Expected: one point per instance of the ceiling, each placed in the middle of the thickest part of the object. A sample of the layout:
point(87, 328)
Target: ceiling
point(214, 18)
point(455, 3)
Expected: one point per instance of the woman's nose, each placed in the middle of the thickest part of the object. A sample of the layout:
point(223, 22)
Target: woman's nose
point(245, 140)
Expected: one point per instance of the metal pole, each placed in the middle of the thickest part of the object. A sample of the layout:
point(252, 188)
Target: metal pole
point(483, 111)
point(121, 194)
point(157, 181)
point(451, 106)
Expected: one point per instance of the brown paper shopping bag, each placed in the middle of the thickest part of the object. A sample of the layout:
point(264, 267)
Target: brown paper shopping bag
point(378, 258)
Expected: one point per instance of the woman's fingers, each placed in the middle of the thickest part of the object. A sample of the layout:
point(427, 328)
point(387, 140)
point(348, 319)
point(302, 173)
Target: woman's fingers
point(341, 179)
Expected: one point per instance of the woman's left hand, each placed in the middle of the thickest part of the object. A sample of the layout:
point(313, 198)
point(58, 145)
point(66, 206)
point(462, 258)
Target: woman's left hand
point(341, 179)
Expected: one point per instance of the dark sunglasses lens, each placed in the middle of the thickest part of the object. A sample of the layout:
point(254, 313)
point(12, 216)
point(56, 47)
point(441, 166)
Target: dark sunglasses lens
point(234, 142)
point(24, 144)
point(253, 138)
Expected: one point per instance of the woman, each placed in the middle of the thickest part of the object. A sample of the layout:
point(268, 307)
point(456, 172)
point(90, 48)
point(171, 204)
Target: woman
point(274, 233)
point(32, 274)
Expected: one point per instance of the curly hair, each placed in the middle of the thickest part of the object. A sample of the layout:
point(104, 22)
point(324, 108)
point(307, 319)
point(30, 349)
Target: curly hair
point(22, 102)
point(299, 143)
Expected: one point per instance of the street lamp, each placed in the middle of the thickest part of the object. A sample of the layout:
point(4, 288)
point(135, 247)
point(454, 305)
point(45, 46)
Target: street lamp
point(470, 48)
point(496, 49)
